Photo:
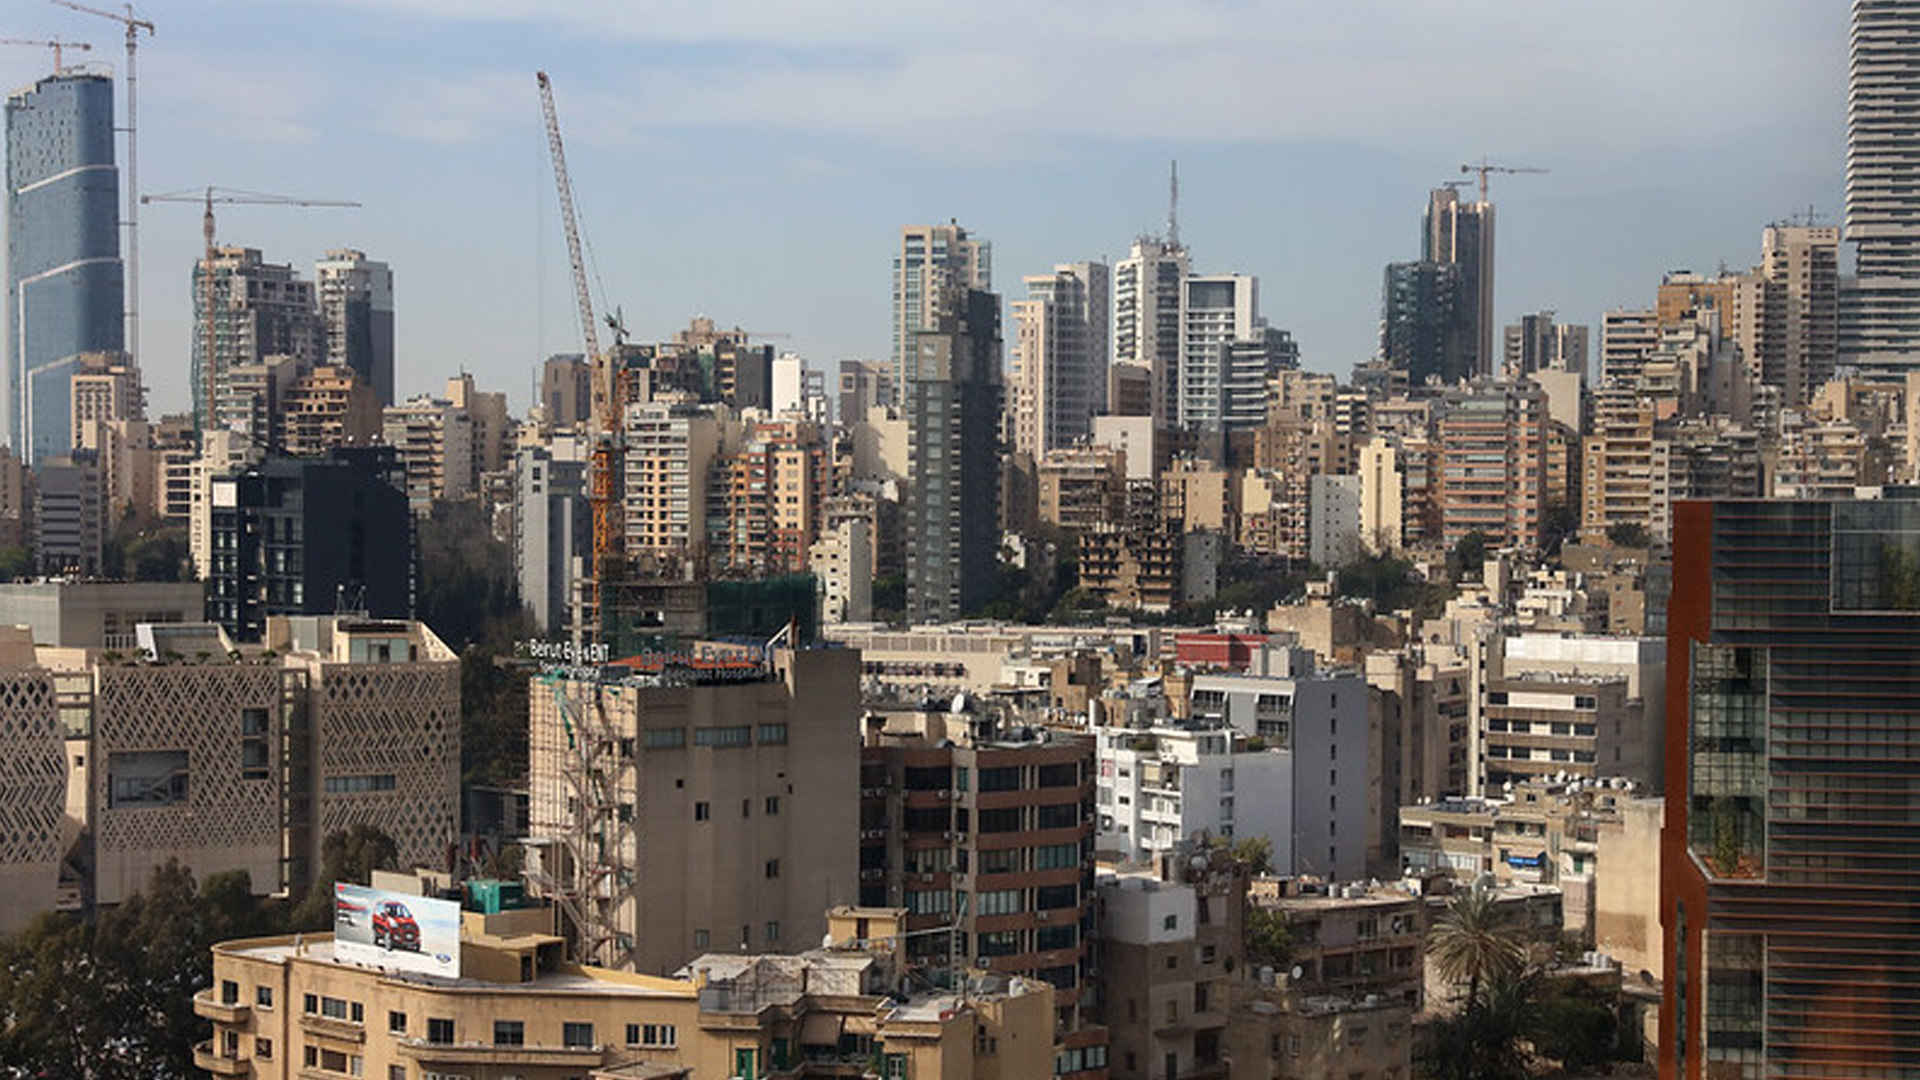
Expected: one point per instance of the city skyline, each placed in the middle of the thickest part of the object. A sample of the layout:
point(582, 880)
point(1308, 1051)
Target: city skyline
point(834, 129)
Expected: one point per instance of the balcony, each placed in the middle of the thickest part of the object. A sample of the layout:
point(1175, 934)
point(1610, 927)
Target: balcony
point(206, 1059)
point(208, 1006)
point(432, 1053)
point(344, 1030)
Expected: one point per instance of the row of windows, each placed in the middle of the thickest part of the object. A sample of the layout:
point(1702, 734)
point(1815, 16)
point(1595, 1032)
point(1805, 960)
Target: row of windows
point(349, 785)
point(718, 737)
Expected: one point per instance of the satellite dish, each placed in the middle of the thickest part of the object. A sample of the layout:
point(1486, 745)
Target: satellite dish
point(1296, 972)
point(959, 704)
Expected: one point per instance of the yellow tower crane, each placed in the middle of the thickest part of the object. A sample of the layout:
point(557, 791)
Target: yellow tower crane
point(55, 44)
point(1486, 167)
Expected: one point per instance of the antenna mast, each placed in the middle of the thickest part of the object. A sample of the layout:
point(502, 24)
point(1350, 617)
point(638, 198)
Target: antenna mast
point(1173, 205)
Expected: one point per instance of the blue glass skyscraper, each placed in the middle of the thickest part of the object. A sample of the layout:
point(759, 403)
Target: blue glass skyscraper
point(64, 276)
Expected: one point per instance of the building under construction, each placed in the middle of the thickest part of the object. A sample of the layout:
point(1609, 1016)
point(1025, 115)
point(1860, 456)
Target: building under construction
point(738, 761)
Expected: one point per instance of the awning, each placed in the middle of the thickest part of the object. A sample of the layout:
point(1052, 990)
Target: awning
point(821, 1029)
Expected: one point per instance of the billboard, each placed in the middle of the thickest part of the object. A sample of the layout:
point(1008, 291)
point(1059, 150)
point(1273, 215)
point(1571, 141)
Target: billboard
point(397, 931)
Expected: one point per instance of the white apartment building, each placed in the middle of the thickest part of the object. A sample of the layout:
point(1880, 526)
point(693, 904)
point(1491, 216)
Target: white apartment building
point(1162, 785)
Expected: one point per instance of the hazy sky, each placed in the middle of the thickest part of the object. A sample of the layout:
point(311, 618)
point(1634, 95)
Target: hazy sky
point(753, 160)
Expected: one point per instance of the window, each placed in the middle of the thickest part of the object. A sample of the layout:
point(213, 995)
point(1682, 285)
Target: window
point(701, 939)
point(310, 1004)
point(229, 992)
point(1056, 856)
point(1171, 922)
point(651, 1035)
point(665, 738)
point(734, 735)
point(773, 804)
point(509, 1033)
point(1001, 779)
point(397, 1023)
point(1003, 861)
point(333, 1008)
point(263, 1048)
point(576, 1034)
point(773, 868)
point(998, 902)
point(702, 811)
point(396, 1072)
point(354, 785)
point(1059, 816)
point(263, 996)
point(773, 930)
point(771, 734)
point(439, 1030)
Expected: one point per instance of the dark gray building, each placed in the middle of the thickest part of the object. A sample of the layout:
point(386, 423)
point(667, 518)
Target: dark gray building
point(953, 431)
point(300, 536)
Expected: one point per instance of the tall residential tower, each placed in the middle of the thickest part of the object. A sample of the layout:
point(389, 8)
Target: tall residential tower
point(65, 280)
point(932, 261)
point(1883, 186)
point(356, 311)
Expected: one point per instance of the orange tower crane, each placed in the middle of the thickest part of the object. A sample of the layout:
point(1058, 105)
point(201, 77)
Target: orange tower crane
point(1485, 167)
point(49, 43)
point(609, 447)
point(209, 305)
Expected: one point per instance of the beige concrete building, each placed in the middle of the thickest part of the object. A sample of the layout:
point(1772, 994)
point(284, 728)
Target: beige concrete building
point(1626, 902)
point(1352, 941)
point(35, 831)
point(329, 407)
point(1057, 379)
point(230, 760)
point(743, 768)
point(1380, 496)
point(1171, 949)
point(1083, 488)
point(435, 440)
point(670, 447)
point(286, 1007)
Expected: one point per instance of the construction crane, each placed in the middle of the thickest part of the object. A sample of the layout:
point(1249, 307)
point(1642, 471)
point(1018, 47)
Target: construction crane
point(609, 449)
point(49, 43)
point(207, 197)
point(1486, 167)
point(134, 26)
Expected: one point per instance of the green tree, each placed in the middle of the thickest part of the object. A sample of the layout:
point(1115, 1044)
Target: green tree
point(468, 591)
point(16, 562)
point(493, 717)
point(1628, 534)
point(1268, 940)
point(1577, 1027)
point(1474, 942)
point(1467, 560)
point(350, 855)
point(1486, 1041)
point(890, 598)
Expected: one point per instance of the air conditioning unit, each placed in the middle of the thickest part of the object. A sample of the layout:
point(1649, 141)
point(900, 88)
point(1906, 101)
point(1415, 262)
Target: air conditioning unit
point(926, 877)
point(950, 835)
point(946, 793)
point(1042, 916)
point(983, 961)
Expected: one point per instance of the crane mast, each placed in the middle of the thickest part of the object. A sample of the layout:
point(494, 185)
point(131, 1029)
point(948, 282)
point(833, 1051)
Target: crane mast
point(609, 443)
point(134, 26)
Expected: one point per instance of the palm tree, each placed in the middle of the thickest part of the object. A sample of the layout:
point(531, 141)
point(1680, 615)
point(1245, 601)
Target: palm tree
point(1474, 943)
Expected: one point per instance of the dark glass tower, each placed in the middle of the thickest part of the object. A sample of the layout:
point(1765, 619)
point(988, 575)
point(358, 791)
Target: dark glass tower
point(64, 277)
point(1790, 857)
point(953, 434)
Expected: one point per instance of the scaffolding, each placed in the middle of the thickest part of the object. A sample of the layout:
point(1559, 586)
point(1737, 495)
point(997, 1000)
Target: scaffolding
point(583, 867)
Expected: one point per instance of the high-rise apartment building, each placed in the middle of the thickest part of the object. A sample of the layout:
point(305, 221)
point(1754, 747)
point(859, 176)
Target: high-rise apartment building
point(1420, 329)
point(1628, 338)
point(1537, 343)
point(1227, 353)
point(953, 431)
point(259, 309)
point(1148, 292)
point(1493, 463)
point(1797, 325)
point(1456, 233)
point(986, 838)
point(1058, 378)
point(933, 264)
point(746, 770)
point(65, 280)
point(356, 310)
point(1788, 861)
point(306, 536)
point(1883, 177)
point(552, 527)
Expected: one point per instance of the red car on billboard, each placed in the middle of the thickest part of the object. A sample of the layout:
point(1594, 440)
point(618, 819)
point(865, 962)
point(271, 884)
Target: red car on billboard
point(394, 927)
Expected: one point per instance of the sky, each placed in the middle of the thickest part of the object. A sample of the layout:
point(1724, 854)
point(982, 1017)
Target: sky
point(753, 160)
